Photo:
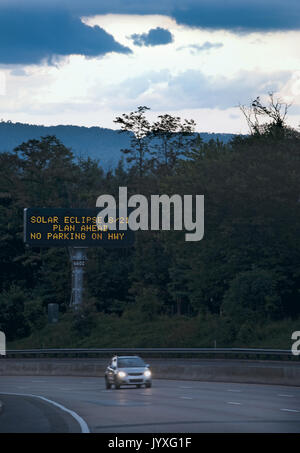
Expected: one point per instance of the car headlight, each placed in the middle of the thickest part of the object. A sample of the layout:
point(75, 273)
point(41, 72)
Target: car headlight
point(121, 374)
point(147, 373)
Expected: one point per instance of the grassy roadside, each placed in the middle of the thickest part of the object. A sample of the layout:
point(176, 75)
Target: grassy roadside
point(101, 330)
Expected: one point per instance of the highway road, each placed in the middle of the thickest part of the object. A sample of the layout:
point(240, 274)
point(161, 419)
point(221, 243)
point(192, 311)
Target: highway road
point(169, 406)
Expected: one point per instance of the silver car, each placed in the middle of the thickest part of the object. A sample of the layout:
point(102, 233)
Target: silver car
point(127, 370)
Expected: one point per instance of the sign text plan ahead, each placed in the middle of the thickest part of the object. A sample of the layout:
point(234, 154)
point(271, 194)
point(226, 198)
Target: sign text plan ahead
point(48, 227)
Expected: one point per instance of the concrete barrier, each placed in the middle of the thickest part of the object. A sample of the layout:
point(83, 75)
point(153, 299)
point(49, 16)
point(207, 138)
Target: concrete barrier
point(244, 371)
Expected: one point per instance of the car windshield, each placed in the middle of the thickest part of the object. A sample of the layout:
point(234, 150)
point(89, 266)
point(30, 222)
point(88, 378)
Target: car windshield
point(130, 362)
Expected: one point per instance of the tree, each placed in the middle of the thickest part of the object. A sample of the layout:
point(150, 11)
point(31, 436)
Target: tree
point(45, 173)
point(12, 317)
point(137, 124)
point(177, 286)
point(171, 138)
point(266, 119)
point(214, 149)
point(253, 295)
point(158, 145)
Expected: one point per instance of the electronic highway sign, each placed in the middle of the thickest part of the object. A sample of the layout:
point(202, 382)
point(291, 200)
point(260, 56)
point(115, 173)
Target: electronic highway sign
point(74, 227)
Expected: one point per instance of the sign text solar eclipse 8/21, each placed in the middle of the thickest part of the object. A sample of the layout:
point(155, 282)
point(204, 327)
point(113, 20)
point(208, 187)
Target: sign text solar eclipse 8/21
point(48, 227)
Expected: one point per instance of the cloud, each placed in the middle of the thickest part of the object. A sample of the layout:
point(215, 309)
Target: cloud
point(196, 48)
point(137, 86)
point(246, 15)
point(192, 89)
point(30, 36)
point(239, 15)
point(155, 37)
point(18, 72)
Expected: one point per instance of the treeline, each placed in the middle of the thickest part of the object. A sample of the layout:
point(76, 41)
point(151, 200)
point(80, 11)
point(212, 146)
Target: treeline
point(94, 142)
point(245, 272)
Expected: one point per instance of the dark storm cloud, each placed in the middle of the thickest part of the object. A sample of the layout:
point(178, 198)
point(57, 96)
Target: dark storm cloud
point(30, 36)
point(155, 37)
point(33, 30)
point(240, 15)
point(237, 15)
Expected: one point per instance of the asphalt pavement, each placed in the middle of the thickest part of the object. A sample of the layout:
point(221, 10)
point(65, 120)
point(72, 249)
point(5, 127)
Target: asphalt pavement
point(168, 407)
point(27, 414)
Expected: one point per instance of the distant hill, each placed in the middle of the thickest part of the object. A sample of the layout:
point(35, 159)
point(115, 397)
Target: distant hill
point(96, 142)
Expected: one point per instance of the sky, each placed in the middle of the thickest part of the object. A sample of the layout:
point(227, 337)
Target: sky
point(87, 62)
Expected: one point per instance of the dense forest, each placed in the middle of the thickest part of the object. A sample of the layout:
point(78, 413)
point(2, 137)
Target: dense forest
point(238, 286)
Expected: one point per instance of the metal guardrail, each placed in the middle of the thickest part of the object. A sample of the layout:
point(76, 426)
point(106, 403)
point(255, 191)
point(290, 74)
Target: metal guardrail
point(159, 352)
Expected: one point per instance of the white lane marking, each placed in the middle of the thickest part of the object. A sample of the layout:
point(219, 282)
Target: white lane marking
point(233, 402)
point(82, 423)
point(231, 390)
point(289, 410)
point(288, 396)
point(186, 397)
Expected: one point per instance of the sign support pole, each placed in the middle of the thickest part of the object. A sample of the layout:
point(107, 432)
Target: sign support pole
point(78, 257)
